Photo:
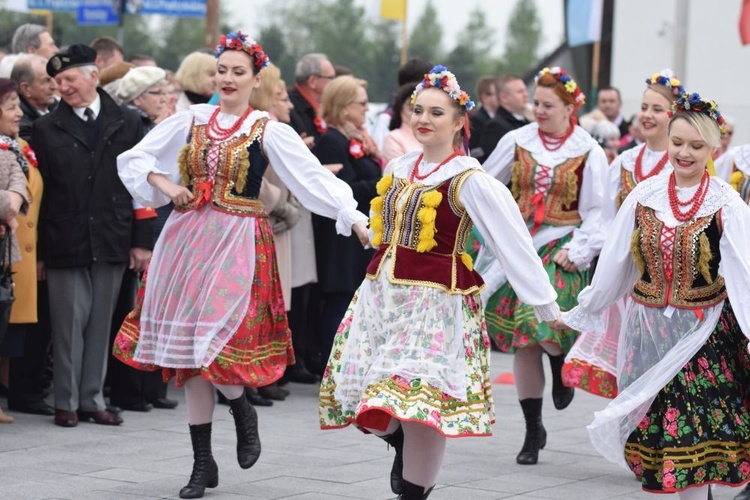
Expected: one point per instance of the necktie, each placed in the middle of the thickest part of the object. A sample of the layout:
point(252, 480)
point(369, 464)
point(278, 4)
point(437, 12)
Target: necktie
point(89, 115)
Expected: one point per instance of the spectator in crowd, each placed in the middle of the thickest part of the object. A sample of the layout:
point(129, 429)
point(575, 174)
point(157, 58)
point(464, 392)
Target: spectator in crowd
point(311, 76)
point(174, 90)
point(89, 234)
point(400, 140)
point(196, 77)
point(412, 71)
point(340, 70)
point(36, 90)
point(512, 97)
point(14, 200)
point(726, 139)
point(342, 261)
point(607, 135)
point(609, 102)
point(635, 134)
point(110, 78)
point(108, 52)
point(487, 95)
point(142, 60)
point(34, 39)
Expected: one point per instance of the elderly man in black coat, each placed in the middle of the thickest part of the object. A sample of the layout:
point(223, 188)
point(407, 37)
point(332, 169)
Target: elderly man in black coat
point(89, 231)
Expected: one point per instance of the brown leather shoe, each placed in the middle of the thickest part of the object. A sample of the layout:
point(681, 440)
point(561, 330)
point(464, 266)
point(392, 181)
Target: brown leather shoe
point(65, 418)
point(102, 417)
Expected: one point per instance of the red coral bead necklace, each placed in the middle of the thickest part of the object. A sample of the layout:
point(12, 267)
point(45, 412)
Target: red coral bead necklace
point(694, 202)
point(552, 142)
point(639, 166)
point(415, 170)
point(216, 132)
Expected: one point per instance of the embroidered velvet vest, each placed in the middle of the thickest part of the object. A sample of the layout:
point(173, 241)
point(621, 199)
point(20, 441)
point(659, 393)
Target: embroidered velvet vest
point(423, 229)
point(627, 184)
point(740, 181)
point(561, 199)
point(240, 168)
point(690, 279)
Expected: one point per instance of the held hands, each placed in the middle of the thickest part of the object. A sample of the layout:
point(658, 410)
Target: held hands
point(139, 259)
point(562, 260)
point(557, 324)
point(360, 229)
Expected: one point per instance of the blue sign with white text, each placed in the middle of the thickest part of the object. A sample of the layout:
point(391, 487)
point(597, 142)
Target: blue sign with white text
point(177, 8)
point(56, 5)
point(98, 12)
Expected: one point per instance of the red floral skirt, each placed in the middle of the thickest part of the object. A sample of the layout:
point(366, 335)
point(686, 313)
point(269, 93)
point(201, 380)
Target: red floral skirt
point(259, 350)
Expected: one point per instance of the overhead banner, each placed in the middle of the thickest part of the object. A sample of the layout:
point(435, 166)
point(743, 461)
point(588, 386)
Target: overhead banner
point(55, 5)
point(175, 8)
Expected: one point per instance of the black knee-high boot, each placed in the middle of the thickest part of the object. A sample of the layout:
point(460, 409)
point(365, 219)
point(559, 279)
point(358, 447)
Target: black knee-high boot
point(396, 440)
point(414, 492)
point(205, 471)
point(561, 395)
point(536, 435)
point(246, 423)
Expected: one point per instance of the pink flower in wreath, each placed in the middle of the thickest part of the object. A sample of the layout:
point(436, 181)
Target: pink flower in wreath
point(745, 469)
point(672, 414)
point(669, 480)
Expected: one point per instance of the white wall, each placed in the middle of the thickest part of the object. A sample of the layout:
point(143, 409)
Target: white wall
point(717, 64)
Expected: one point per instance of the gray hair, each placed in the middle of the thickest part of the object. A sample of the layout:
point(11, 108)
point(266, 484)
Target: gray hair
point(605, 129)
point(308, 65)
point(27, 35)
point(23, 69)
point(90, 69)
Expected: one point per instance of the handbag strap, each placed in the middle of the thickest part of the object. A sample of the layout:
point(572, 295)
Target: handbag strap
point(8, 242)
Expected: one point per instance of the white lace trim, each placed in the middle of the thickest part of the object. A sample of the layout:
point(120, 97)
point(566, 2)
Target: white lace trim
point(653, 193)
point(547, 312)
point(577, 144)
point(403, 166)
point(578, 319)
point(203, 112)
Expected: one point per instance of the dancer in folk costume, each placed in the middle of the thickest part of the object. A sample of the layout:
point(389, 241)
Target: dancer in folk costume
point(591, 363)
point(410, 362)
point(734, 167)
point(680, 246)
point(557, 174)
point(212, 313)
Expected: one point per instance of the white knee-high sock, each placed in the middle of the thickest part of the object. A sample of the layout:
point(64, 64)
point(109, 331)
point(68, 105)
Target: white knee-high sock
point(424, 449)
point(199, 396)
point(231, 391)
point(695, 493)
point(529, 372)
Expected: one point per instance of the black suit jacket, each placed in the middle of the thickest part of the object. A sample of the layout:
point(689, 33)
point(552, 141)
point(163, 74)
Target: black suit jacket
point(477, 121)
point(302, 117)
point(86, 213)
point(30, 115)
point(501, 124)
point(342, 262)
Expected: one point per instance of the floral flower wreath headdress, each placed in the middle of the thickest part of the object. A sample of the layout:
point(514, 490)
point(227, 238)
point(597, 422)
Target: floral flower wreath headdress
point(571, 87)
point(440, 78)
point(240, 41)
point(667, 79)
point(695, 103)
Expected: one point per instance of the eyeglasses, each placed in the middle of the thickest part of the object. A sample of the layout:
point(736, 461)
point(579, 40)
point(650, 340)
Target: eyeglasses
point(361, 103)
point(160, 93)
point(326, 77)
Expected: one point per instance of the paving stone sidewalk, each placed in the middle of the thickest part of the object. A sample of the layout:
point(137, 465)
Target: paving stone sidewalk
point(149, 457)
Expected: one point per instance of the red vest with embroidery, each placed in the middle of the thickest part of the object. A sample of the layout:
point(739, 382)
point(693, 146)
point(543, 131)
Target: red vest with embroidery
point(425, 237)
point(560, 202)
point(684, 271)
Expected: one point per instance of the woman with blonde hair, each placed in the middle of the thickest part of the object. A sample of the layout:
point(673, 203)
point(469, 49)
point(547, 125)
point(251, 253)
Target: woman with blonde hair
point(196, 77)
point(342, 262)
point(679, 247)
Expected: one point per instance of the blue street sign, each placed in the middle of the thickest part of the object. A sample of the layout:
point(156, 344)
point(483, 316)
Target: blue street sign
point(56, 5)
point(177, 8)
point(98, 12)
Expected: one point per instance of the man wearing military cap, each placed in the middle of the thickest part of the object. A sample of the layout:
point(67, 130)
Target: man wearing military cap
point(88, 230)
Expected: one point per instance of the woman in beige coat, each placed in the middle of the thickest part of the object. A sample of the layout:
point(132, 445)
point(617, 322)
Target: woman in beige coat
point(17, 161)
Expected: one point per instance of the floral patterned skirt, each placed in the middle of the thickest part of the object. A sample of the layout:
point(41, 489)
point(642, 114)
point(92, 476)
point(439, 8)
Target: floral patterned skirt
point(374, 372)
point(697, 430)
point(260, 349)
point(513, 325)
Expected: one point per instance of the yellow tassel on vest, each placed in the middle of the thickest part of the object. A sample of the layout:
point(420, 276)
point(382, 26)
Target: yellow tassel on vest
point(182, 162)
point(468, 261)
point(383, 184)
point(243, 167)
point(705, 257)
point(376, 224)
point(376, 205)
point(426, 216)
point(635, 250)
